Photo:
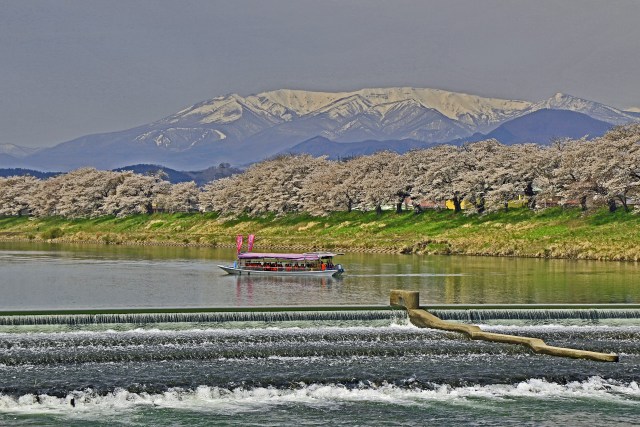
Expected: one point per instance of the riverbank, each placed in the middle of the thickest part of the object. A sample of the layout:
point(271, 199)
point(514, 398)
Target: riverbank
point(553, 233)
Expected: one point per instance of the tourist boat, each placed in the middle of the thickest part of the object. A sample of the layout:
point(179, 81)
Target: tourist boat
point(306, 264)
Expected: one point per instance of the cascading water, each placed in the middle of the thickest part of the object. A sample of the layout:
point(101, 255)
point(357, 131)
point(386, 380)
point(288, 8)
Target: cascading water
point(483, 315)
point(283, 367)
point(200, 317)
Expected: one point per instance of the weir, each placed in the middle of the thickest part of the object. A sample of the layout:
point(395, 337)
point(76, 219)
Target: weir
point(476, 313)
point(410, 300)
point(223, 315)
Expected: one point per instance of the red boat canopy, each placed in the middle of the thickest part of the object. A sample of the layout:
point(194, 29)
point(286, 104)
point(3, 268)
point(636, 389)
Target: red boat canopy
point(309, 256)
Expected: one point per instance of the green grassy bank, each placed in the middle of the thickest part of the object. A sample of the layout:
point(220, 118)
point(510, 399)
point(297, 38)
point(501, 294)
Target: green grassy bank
point(553, 233)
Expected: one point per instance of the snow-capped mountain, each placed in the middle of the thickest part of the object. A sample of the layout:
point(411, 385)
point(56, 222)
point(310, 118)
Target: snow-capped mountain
point(401, 120)
point(635, 112)
point(562, 101)
point(243, 129)
point(16, 151)
point(342, 112)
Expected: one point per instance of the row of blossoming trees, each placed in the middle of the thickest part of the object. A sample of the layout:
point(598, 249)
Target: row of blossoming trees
point(483, 176)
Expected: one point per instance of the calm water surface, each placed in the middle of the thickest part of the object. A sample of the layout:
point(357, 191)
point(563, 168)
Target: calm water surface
point(73, 276)
point(369, 369)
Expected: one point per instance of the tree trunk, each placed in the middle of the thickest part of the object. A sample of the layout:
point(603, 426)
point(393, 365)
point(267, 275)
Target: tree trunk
point(612, 205)
point(378, 210)
point(530, 194)
point(583, 203)
point(457, 206)
point(506, 206)
point(623, 201)
point(349, 205)
point(399, 207)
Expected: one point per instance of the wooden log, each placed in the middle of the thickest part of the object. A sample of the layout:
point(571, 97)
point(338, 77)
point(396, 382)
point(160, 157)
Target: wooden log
point(424, 319)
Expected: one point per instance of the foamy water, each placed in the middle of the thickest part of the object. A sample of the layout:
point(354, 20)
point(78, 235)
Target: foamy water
point(363, 400)
point(311, 372)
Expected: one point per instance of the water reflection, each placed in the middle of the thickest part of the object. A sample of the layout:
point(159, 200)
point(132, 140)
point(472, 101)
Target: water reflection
point(246, 284)
point(83, 276)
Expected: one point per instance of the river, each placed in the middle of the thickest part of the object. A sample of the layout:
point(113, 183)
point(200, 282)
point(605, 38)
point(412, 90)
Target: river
point(346, 368)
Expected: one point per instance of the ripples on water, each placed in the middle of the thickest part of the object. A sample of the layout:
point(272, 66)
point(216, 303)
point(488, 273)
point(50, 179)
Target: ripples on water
point(342, 372)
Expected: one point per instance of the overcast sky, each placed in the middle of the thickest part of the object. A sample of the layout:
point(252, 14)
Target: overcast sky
point(70, 68)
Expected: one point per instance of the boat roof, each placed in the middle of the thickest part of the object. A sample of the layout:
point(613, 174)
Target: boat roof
point(307, 256)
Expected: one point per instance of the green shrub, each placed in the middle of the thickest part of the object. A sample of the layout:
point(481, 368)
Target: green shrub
point(52, 233)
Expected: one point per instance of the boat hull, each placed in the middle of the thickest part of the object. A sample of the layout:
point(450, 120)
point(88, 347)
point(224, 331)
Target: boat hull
point(316, 273)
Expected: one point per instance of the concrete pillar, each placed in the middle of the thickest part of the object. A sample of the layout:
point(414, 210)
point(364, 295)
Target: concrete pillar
point(407, 299)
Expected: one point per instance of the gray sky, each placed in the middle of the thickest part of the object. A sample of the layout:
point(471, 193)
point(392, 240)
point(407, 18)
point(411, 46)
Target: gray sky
point(70, 68)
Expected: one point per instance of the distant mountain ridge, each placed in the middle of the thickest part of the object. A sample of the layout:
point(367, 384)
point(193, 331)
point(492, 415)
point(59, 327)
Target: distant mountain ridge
point(241, 130)
point(201, 177)
point(4, 173)
point(321, 146)
point(543, 126)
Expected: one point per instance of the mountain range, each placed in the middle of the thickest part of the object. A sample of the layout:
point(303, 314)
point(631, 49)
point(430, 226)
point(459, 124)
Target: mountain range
point(241, 130)
point(201, 177)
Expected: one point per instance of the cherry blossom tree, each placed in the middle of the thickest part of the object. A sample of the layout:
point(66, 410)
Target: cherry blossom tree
point(43, 201)
point(511, 172)
point(381, 180)
point(613, 170)
point(83, 192)
point(603, 171)
point(181, 197)
point(223, 196)
point(329, 189)
point(439, 175)
point(15, 194)
point(136, 194)
point(271, 186)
